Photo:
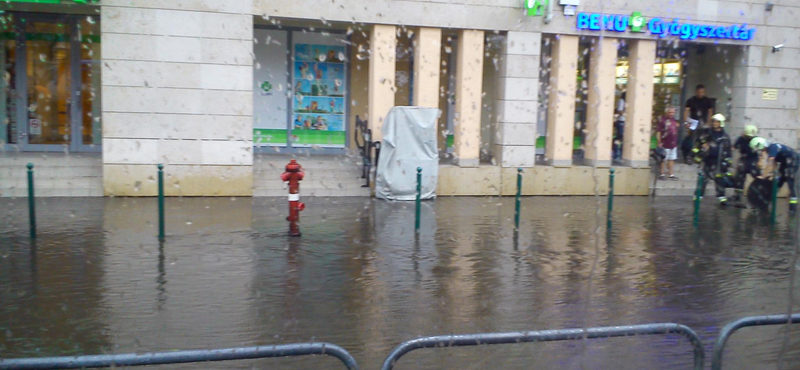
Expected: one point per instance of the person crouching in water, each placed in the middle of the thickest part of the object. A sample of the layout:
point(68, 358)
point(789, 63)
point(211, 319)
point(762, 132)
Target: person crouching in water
point(748, 162)
point(713, 153)
point(782, 158)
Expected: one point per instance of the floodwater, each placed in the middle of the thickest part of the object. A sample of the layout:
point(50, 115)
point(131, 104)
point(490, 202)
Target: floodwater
point(97, 280)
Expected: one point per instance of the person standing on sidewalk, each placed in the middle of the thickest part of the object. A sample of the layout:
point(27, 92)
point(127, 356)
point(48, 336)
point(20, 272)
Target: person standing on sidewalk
point(667, 138)
point(699, 108)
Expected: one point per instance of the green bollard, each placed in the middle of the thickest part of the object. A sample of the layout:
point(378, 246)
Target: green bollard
point(610, 191)
point(519, 193)
point(161, 233)
point(697, 194)
point(31, 202)
point(610, 197)
point(774, 209)
point(419, 194)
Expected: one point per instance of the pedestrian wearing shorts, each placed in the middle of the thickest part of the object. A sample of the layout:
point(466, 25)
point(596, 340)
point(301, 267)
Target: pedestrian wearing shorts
point(667, 137)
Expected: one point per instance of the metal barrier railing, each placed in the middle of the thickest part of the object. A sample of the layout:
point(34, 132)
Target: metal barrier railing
point(728, 330)
point(181, 357)
point(546, 336)
point(307, 349)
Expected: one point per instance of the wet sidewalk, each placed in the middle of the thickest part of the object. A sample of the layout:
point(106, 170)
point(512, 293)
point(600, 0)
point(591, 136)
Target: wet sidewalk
point(97, 280)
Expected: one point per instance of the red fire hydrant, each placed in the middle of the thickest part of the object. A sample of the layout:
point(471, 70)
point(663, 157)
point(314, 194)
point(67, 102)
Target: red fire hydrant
point(293, 175)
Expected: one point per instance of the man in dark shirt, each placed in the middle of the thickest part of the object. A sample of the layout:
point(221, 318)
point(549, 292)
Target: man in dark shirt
point(700, 107)
point(748, 162)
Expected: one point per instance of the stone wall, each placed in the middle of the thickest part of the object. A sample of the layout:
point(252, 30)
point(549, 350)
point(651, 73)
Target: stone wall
point(518, 100)
point(177, 89)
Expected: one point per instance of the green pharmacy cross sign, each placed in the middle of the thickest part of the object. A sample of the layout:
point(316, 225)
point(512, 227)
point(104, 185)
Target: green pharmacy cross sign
point(535, 8)
point(637, 22)
point(266, 86)
point(56, 1)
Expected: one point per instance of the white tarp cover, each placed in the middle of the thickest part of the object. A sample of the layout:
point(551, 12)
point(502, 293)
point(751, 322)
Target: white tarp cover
point(409, 141)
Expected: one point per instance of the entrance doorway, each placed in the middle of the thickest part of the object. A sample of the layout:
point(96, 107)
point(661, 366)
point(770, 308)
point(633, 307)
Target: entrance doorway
point(50, 90)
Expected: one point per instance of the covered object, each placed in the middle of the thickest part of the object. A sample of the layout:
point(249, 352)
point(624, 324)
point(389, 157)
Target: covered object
point(409, 141)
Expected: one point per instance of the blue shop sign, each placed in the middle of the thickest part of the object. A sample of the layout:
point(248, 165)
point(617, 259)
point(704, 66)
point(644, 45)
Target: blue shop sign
point(662, 28)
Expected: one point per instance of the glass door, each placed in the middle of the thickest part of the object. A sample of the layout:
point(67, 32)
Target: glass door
point(8, 84)
point(51, 83)
point(48, 84)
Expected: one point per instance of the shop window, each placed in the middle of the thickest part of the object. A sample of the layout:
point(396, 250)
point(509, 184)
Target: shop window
point(301, 85)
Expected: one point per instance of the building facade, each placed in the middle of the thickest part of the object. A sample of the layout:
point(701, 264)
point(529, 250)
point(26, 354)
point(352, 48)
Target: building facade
point(222, 91)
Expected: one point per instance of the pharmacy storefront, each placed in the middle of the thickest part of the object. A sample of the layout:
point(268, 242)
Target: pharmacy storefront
point(50, 90)
point(300, 90)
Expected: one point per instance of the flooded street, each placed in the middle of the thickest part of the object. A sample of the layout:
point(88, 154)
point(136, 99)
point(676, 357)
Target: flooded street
point(97, 280)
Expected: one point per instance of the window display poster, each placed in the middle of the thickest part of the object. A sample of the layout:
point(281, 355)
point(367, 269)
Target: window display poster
point(669, 71)
point(319, 89)
point(270, 97)
point(672, 73)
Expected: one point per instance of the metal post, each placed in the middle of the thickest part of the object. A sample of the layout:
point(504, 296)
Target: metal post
point(519, 193)
point(610, 194)
point(161, 232)
point(774, 209)
point(419, 194)
point(697, 194)
point(31, 202)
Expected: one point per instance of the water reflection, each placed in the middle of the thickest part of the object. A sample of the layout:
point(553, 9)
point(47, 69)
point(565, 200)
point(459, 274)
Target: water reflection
point(98, 281)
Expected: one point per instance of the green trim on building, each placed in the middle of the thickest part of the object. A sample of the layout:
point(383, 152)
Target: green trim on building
point(90, 39)
point(301, 137)
point(52, 37)
point(541, 140)
point(269, 136)
point(56, 1)
point(37, 1)
point(314, 137)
